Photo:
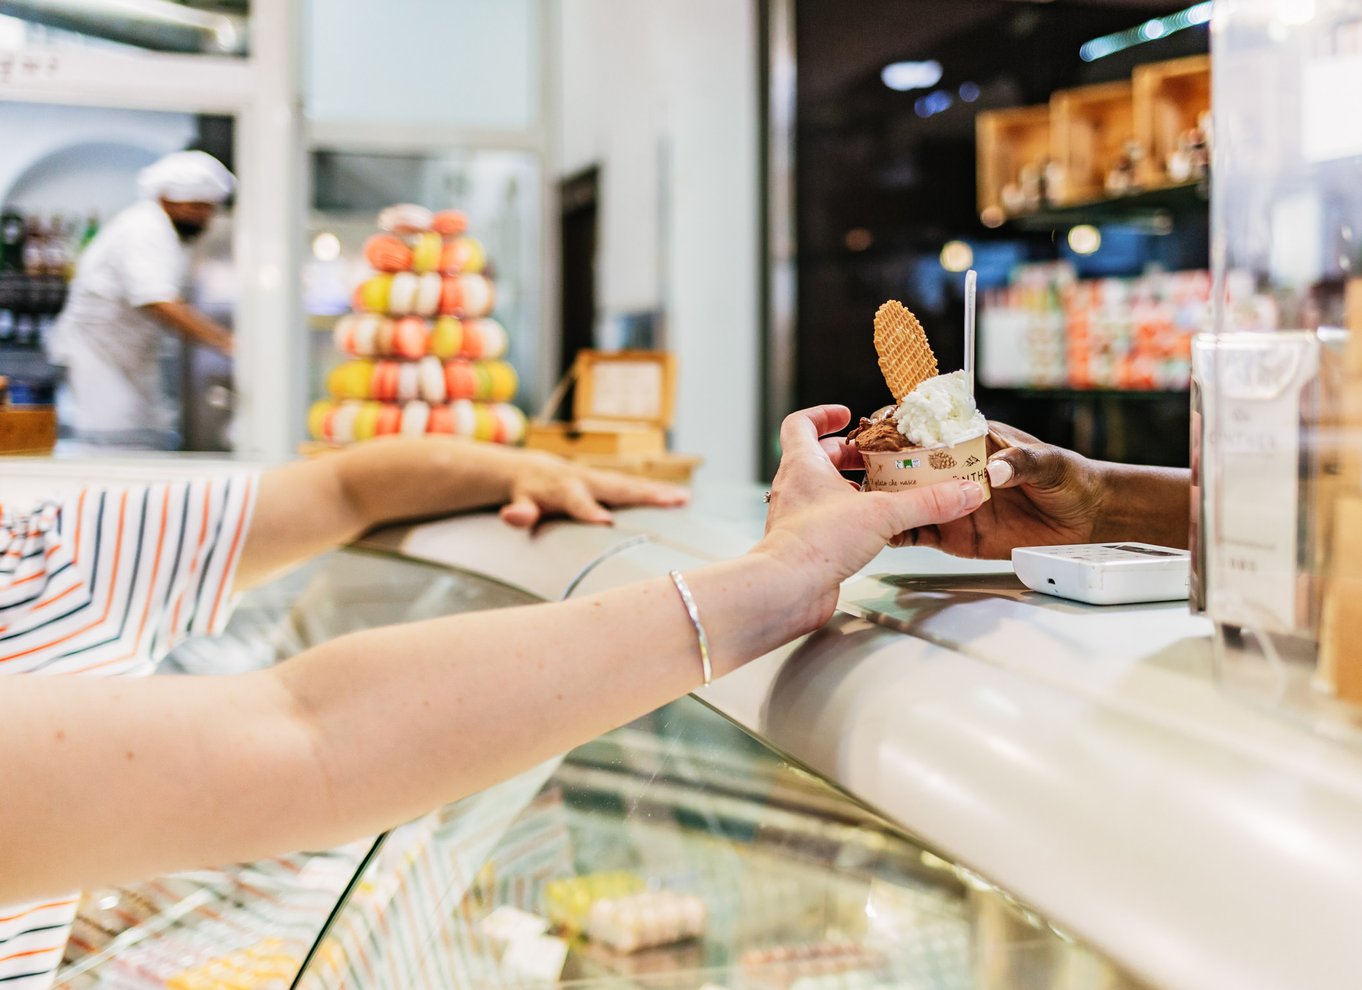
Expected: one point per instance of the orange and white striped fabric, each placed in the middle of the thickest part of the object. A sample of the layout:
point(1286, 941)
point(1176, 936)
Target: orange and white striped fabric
point(105, 584)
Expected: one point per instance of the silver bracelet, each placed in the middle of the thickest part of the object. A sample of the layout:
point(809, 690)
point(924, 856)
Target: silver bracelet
point(688, 600)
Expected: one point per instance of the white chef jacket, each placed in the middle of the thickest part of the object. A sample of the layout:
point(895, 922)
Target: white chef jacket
point(108, 346)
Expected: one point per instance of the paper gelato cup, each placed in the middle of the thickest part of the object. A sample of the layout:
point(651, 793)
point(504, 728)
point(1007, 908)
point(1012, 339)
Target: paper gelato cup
point(917, 467)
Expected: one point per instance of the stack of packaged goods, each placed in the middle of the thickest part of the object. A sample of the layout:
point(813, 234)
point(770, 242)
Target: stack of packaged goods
point(425, 354)
point(1050, 329)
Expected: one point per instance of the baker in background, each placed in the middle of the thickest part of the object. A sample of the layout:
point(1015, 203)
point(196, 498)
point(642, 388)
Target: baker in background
point(127, 293)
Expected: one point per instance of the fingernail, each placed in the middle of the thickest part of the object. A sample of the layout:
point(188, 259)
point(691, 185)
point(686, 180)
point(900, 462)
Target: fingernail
point(972, 493)
point(999, 472)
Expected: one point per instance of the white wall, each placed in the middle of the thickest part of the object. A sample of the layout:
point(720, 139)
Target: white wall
point(663, 96)
point(438, 63)
point(81, 159)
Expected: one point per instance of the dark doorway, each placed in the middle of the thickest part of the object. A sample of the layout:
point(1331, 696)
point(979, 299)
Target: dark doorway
point(579, 196)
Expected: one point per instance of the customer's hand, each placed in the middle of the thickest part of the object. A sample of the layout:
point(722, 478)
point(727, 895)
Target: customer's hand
point(542, 484)
point(1042, 495)
point(822, 529)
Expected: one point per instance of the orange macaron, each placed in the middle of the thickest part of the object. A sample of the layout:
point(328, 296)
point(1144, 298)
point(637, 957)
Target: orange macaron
point(449, 223)
point(409, 337)
point(386, 253)
point(460, 382)
point(389, 420)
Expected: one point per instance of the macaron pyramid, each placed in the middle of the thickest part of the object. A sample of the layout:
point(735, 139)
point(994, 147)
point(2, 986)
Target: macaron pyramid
point(425, 355)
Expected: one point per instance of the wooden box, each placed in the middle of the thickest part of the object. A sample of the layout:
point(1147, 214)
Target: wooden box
point(1008, 141)
point(622, 406)
point(27, 430)
point(1169, 99)
point(1091, 127)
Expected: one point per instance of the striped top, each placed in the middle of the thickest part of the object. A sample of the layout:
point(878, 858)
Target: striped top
point(105, 584)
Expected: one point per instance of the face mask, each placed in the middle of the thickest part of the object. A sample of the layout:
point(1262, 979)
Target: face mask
point(187, 229)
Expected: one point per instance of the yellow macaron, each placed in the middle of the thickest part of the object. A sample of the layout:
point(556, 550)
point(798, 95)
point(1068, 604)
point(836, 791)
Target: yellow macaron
point(350, 380)
point(316, 418)
point(425, 252)
point(446, 338)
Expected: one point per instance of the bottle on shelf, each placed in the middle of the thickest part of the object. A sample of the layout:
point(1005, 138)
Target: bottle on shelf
point(57, 251)
point(11, 241)
point(91, 229)
point(35, 247)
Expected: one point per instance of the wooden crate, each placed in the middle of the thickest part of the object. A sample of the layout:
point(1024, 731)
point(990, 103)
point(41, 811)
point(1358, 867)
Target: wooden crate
point(622, 404)
point(571, 440)
point(676, 468)
point(1090, 127)
point(1168, 99)
point(1006, 142)
point(28, 430)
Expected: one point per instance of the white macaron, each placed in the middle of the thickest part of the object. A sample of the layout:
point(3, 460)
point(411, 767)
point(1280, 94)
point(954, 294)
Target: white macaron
point(415, 417)
point(402, 293)
point(465, 421)
point(432, 382)
point(428, 294)
point(494, 338)
point(408, 381)
point(343, 422)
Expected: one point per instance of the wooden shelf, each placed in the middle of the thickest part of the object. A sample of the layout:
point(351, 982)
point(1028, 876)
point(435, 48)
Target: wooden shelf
point(1149, 209)
point(1008, 142)
point(1063, 152)
point(1090, 128)
point(1169, 99)
point(28, 430)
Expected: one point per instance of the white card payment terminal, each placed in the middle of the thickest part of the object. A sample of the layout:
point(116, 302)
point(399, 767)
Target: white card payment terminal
point(1105, 573)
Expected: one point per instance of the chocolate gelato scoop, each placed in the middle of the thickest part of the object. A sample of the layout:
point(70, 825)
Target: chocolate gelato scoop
point(878, 434)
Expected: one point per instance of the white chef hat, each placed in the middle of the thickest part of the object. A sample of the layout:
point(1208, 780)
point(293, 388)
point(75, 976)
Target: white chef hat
point(186, 177)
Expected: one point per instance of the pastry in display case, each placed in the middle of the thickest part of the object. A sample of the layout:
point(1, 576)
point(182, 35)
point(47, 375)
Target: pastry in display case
point(677, 851)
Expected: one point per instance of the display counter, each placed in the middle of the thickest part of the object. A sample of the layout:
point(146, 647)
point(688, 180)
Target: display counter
point(954, 784)
point(1081, 758)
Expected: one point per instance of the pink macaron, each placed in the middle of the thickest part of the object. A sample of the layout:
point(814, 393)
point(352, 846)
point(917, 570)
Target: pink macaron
point(410, 334)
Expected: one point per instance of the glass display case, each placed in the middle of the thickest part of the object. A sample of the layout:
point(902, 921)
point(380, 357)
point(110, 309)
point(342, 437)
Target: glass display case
point(675, 852)
point(1280, 403)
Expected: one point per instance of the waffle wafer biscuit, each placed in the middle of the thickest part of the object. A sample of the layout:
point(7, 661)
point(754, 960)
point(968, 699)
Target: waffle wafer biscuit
point(906, 359)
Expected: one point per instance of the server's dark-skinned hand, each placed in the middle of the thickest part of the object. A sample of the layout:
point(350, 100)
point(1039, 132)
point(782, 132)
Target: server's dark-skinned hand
point(1044, 495)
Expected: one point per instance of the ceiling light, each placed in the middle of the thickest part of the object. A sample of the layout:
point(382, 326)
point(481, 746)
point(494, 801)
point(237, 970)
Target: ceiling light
point(326, 246)
point(956, 256)
point(1085, 239)
point(903, 76)
point(1150, 30)
point(858, 239)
